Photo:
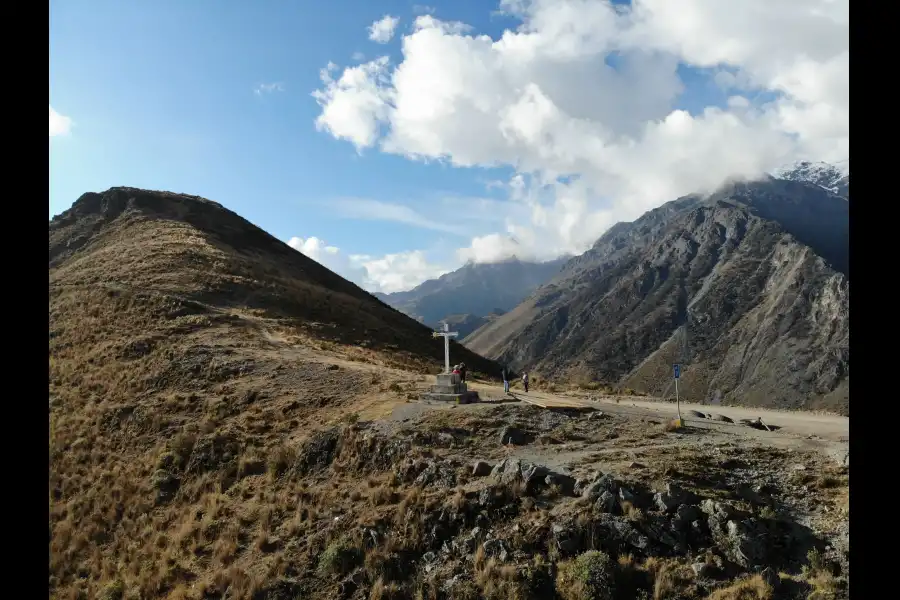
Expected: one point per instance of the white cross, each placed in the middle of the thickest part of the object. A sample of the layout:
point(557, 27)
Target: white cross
point(446, 334)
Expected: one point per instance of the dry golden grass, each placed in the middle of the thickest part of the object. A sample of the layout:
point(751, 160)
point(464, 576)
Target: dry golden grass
point(753, 587)
point(631, 512)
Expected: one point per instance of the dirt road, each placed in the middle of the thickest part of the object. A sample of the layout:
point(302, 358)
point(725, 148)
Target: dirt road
point(829, 434)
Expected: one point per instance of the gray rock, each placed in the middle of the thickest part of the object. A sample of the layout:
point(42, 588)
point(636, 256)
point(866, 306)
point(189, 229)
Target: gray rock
point(437, 473)
point(565, 483)
point(592, 490)
point(512, 435)
point(604, 483)
point(718, 510)
point(685, 514)
point(745, 543)
point(507, 471)
point(534, 477)
point(669, 499)
point(481, 468)
point(627, 495)
point(496, 548)
point(702, 569)
point(606, 502)
point(771, 577)
point(625, 531)
point(466, 543)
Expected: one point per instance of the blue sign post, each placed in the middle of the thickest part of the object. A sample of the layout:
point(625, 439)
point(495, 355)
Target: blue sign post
point(677, 369)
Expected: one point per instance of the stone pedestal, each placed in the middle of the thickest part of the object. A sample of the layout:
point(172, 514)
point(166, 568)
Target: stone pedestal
point(449, 388)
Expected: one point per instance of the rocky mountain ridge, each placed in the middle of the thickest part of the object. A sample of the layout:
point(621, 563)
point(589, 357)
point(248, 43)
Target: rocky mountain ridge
point(747, 287)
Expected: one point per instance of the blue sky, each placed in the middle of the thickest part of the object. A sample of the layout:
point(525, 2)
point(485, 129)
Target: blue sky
point(213, 98)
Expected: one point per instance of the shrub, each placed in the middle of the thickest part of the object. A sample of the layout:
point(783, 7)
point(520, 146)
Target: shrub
point(339, 558)
point(587, 577)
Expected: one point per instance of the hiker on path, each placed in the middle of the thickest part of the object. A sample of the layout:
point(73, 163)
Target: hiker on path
point(462, 372)
point(525, 381)
point(504, 373)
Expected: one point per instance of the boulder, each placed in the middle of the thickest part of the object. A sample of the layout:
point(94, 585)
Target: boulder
point(606, 503)
point(669, 499)
point(512, 435)
point(565, 483)
point(507, 471)
point(496, 548)
point(534, 477)
point(481, 468)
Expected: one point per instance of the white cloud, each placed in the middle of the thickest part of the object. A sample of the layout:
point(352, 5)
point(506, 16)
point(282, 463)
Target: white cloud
point(398, 272)
point(268, 88)
point(59, 124)
point(588, 89)
point(389, 273)
point(382, 30)
point(354, 104)
point(358, 56)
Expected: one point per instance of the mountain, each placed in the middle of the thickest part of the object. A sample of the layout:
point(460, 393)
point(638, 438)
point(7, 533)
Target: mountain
point(189, 354)
point(468, 323)
point(213, 260)
point(833, 177)
point(476, 289)
point(747, 287)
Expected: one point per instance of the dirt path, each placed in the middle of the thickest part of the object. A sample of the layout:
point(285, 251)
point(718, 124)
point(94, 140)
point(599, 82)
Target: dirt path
point(828, 434)
point(826, 427)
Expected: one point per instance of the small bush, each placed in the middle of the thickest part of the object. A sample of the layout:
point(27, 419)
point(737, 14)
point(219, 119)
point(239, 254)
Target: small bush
point(589, 576)
point(350, 418)
point(339, 558)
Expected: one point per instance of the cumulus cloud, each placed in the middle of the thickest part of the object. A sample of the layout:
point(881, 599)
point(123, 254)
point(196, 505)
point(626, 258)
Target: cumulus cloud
point(59, 124)
point(382, 30)
point(581, 99)
point(268, 88)
point(389, 273)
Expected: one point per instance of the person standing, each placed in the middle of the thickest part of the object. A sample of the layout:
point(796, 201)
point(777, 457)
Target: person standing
point(504, 373)
point(462, 372)
point(525, 381)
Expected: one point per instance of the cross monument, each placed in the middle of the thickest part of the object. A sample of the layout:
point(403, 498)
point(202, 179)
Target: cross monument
point(446, 334)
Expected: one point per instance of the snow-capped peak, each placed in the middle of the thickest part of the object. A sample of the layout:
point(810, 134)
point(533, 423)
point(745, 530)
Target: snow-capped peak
point(834, 177)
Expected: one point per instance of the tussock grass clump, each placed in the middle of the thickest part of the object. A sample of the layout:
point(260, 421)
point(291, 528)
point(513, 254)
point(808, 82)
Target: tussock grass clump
point(384, 591)
point(631, 512)
point(747, 588)
point(280, 459)
point(383, 494)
